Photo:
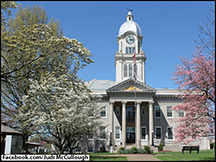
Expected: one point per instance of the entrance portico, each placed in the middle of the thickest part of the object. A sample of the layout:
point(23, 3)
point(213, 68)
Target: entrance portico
point(130, 120)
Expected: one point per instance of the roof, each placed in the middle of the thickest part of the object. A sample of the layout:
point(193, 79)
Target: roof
point(9, 131)
point(129, 86)
point(99, 84)
point(33, 144)
point(130, 25)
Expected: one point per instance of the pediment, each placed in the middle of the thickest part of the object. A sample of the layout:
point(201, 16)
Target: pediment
point(130, 85)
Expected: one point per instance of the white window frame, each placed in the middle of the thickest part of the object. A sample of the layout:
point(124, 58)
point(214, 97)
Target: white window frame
point(145, 132)
point(155, 111)
point(117, 111)
point(143, 108)
point(168, 133)
point(103, 108)
point(104, 132)
point(160, 132)
point(119, 133)
point(171, 111)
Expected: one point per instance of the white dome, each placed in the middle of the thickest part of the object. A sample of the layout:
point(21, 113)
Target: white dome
point(130, 25)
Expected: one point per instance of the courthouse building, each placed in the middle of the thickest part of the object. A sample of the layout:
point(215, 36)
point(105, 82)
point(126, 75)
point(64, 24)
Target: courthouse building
point(134, 114)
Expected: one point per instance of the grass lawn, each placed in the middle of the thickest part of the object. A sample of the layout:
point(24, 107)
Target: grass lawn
point(204, 155)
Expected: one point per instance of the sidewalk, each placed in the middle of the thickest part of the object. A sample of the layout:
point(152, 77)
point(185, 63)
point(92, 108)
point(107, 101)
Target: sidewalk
point(142, 158)
point(136, 157)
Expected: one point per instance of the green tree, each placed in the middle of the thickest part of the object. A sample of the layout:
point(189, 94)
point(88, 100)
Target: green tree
point(5, 10)
point(30, 49)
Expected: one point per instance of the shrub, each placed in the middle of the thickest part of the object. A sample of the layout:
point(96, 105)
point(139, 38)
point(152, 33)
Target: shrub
point(134, 150)
point(151, 152)
point(147, 148)
point(121, 149)
point(160, 148)
point(214, 146)
point(141, 151)
point(130, 151)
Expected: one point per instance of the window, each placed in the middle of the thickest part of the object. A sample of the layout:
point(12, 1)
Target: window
point(130, 70)
point(143, 111)
point(169, 112)
point(170, 132)
point(157, 112)
point(78, 150)
point(130, 50)
point(125, 70)
point(143, 132)
point(127, 50)
point(90, 149)
point(103, 112)
point(118, 111)
point(117, 133)
point(158, 132)
point(181, 113)
point(102, 132)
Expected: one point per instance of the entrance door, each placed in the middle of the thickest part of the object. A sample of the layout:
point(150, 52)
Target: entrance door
point(130, 135)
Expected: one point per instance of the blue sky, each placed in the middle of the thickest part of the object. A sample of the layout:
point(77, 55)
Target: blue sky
point(168, 28)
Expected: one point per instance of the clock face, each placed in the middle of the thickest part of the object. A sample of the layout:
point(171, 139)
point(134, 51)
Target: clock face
point(130, 39)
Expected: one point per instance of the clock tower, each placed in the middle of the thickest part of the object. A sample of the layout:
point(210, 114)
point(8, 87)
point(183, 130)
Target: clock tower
point(129, 43)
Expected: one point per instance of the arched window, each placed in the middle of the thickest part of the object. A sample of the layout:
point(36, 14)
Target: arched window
point(125, 70)
point(130, 70)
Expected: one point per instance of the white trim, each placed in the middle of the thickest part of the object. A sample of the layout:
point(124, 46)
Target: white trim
point(160, 132)
point(155, 112)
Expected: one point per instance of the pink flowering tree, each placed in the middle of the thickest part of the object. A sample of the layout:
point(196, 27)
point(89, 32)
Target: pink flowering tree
point(196, 82)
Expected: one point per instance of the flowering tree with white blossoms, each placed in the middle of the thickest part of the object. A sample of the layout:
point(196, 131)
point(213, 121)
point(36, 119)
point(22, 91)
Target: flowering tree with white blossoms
point(30, 48)
point(59, 114)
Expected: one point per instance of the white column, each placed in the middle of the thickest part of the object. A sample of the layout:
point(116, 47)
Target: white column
point(8, 144)
point(111, 122)
point(150, 122)
point(124, 123)
point(138, 124)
